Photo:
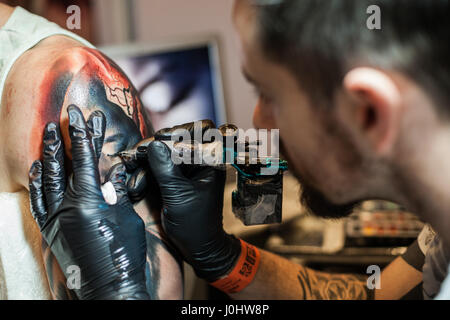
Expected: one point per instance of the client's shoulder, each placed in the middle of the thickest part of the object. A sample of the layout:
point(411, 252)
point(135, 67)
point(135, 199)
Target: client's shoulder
point(40, 84)
point(55, 57)
point(32, 71)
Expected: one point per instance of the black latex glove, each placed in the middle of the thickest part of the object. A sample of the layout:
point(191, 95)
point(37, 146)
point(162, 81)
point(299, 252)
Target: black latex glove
point(106, 242)
point(192, 213)
point(141, 182)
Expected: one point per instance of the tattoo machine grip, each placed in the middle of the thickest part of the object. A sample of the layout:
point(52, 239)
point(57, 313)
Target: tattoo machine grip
point(259, 194)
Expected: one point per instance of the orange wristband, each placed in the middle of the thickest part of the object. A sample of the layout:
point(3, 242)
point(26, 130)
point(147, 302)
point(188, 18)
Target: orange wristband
point(244, 271)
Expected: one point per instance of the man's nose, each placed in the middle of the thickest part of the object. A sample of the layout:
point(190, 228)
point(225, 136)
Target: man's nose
point(262, 117)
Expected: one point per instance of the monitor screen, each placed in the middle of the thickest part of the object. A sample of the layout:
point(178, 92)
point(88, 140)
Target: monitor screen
point(178, 81)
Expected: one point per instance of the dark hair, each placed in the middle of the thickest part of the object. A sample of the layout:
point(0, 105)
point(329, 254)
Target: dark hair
point(320, 40)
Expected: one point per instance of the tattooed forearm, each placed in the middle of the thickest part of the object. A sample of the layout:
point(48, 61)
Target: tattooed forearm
point(326, 286)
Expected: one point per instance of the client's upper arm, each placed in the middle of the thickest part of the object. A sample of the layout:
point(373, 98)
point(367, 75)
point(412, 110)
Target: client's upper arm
point(86, 78)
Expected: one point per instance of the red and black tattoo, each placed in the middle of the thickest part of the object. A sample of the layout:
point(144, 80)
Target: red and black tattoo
point(91, 81)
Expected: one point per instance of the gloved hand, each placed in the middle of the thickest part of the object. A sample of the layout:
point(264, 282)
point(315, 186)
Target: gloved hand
point(106, 242)
point(192, 213)
point(141, 182)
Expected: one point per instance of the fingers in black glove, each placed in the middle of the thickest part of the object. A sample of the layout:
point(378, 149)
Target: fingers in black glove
point(142, 183)
point(86, 176)
point(37, 203)
point(162, 166)
point(97, 128)
point(173, 177)
point(54, 177)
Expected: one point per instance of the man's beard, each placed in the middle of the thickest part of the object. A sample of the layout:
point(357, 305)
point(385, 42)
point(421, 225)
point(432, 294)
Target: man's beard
point(314, 200)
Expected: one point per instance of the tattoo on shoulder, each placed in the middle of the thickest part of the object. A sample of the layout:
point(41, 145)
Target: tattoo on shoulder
point(91, 81)
point(88, 79)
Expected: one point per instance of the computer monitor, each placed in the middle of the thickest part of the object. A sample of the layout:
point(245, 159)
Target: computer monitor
point(178, 81)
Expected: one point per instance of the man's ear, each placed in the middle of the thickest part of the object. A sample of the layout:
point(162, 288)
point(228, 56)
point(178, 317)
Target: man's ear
point(378, 107)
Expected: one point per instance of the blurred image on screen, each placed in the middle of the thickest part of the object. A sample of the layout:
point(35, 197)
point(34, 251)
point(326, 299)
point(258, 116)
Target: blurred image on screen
point(176, 85)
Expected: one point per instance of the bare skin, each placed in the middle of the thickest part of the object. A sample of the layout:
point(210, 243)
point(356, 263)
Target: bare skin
point(43, 82)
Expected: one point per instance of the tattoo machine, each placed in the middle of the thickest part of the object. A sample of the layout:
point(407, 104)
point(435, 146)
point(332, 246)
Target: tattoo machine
point(259, 194)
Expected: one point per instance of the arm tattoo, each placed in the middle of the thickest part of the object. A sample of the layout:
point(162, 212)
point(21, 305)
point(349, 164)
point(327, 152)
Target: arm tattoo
point(325, 286)
point(91, 81)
